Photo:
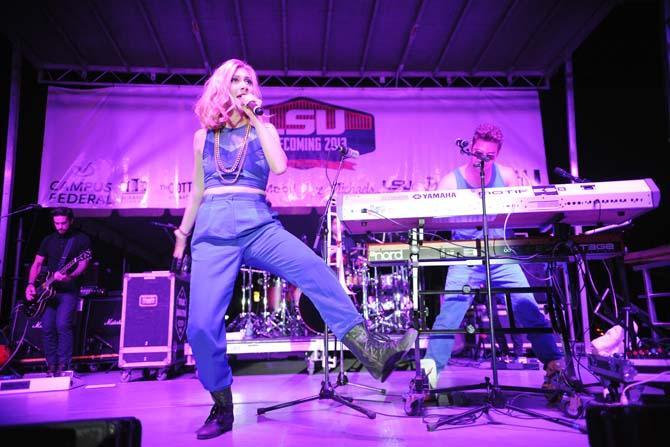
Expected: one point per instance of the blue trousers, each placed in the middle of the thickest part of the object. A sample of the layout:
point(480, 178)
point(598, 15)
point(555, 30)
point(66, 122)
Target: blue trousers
point(236, 229)
point(453, 308)
point(58, 328)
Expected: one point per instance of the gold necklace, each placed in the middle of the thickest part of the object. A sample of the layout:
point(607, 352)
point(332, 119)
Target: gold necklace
point(239, 160)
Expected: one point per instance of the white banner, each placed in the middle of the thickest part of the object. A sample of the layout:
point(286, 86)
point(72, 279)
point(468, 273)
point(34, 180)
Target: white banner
point(131, 147)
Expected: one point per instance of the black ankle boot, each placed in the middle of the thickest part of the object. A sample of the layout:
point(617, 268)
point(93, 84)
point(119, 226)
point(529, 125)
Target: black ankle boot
point(378, 353)
point(220, 419)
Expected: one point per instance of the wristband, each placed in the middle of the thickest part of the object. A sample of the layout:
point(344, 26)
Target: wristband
point(185, 234)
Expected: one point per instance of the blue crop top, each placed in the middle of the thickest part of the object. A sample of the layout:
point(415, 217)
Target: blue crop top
point(255, 170)
point(495, 182)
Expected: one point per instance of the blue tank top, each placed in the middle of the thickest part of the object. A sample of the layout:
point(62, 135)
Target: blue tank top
point(494, 233)
point(255, 170)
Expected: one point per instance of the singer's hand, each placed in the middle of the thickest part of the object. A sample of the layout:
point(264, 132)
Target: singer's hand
point(245, 100)
point(179, 245)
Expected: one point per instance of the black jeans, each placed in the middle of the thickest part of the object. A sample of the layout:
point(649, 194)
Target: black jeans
point(58, 329)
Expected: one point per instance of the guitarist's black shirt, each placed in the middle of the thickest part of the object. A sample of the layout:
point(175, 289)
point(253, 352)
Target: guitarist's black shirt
point(52, 248)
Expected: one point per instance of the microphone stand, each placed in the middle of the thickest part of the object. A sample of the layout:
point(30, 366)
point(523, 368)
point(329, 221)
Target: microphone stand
point(327, 389)
point(492, 389)
point(19, 249)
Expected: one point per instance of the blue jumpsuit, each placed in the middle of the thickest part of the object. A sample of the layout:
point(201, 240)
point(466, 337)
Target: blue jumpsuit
point(239, 228)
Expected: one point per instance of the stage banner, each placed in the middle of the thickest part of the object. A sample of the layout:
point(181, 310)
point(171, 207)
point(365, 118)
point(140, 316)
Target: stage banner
point(131, 147)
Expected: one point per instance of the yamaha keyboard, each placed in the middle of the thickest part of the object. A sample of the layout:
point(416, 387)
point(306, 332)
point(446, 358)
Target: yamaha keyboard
point(534, 249)
point(589, 204)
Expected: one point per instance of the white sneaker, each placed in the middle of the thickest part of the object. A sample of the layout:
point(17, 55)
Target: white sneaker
point(430, 369)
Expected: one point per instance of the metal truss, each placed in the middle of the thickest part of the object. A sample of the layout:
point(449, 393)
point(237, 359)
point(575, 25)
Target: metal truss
point(103, 77)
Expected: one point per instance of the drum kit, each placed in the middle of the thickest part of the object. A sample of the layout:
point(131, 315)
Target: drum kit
point(272, 307)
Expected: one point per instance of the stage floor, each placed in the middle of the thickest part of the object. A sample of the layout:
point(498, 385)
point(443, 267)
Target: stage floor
point(171, 410)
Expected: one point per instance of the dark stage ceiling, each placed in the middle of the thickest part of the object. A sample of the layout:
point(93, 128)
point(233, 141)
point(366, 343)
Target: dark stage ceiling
point(147, 41)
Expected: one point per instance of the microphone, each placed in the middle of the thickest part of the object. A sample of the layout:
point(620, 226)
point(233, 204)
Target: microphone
point(169, 226)
point(23, 209)
point(258, 110)
point(30, 206)
point(348, 152)
point(462, 143)
point(566, 175)
point(372, 238)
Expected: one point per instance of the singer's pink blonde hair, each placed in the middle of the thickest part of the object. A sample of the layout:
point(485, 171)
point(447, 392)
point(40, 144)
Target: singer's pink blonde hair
point(216, 105)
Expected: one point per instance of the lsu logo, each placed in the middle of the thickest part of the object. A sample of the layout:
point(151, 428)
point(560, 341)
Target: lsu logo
point(311, 132)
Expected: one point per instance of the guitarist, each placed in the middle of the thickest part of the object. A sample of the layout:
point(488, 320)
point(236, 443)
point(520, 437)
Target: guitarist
point(58, 320)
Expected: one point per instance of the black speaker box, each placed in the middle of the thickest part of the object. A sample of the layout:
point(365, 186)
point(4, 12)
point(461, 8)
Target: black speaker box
point(115, 432)
point(627, 425)
point(102, 325)
point(32, 347)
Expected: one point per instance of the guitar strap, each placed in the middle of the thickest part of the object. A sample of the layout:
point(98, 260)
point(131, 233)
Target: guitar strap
point(66, 251)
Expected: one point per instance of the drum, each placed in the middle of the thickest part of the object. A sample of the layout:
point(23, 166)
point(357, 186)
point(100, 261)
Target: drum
point(276, 291)
point(392, 282)
point(353, 279)
point(387, 304)
point(256, 286)
point(310, 316)
point(281, 290)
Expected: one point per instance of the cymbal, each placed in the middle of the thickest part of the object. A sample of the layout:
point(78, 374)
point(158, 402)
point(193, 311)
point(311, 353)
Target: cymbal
point(357, 250)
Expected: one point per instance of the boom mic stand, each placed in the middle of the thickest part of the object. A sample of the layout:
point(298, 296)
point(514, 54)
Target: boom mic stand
point(327, 390)
point(492, 389)
point(19, 249)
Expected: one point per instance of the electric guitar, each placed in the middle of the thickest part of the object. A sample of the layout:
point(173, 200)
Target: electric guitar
point(35, 308)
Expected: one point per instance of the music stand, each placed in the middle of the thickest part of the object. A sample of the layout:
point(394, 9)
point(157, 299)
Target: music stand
point(327, 389)
point(492, 389)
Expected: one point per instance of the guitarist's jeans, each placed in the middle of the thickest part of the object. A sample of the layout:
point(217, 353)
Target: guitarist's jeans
point(58, 328)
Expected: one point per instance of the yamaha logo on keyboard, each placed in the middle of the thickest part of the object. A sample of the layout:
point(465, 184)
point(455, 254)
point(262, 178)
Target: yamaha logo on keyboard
point(435, 195)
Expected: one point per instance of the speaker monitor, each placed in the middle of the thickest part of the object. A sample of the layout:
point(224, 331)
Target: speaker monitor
point(115, 432)
point(626, 425)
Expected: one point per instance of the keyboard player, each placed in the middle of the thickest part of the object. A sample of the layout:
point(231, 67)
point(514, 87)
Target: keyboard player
point(487, 139)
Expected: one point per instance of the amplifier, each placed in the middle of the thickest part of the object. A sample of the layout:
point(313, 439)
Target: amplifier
point(102, 325)
point(32, 348)
point(153, 320)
